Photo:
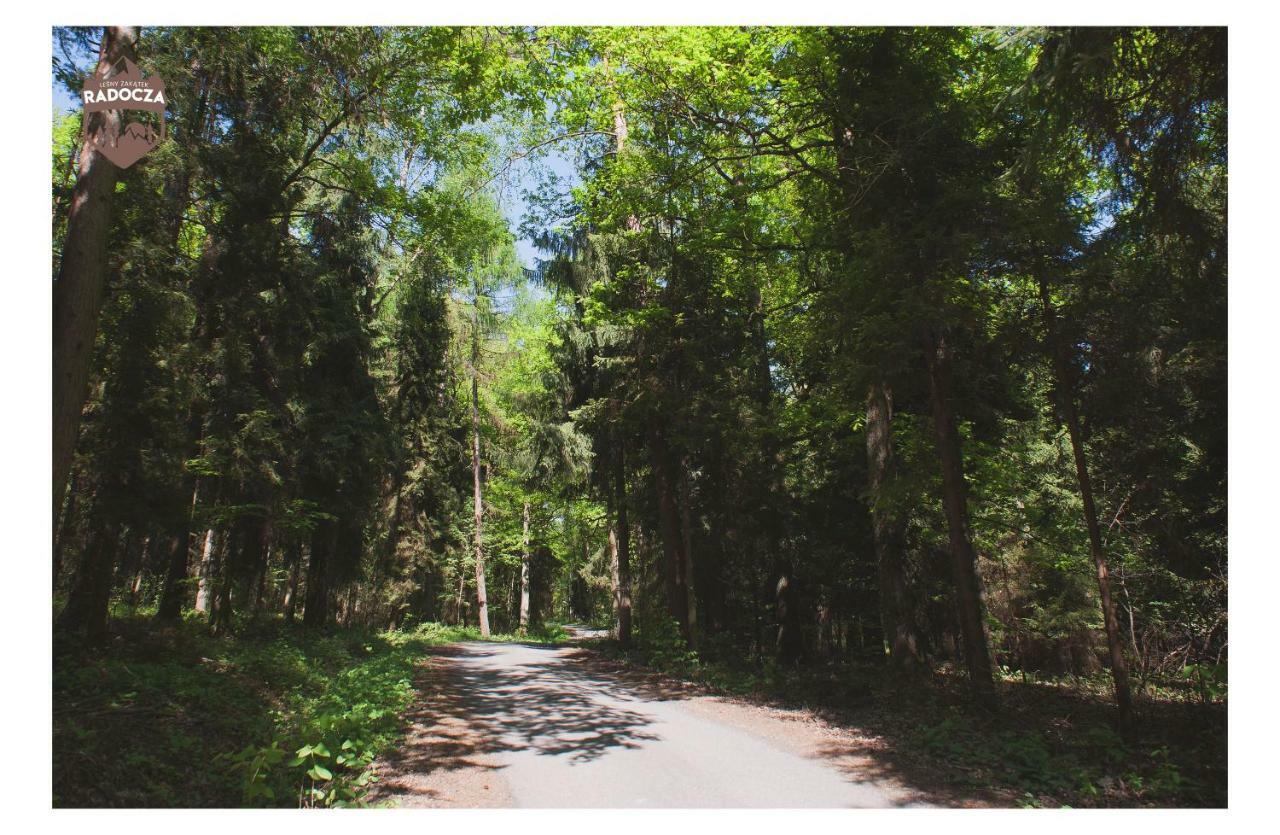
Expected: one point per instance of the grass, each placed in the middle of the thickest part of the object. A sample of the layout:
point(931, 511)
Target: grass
point(1052, 742)
point(275, 716)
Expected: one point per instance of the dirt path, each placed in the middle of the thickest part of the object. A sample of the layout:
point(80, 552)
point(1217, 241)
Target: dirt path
point(535, 726)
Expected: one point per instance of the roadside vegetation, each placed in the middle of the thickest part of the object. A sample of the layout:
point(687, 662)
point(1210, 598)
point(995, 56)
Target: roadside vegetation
point(276, 716)
point(1053, 742)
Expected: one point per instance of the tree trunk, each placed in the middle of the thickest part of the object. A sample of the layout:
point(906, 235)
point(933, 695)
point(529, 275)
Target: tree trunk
point(787, 645)
point(888, 525)
point(135, 586)
point(174, 593)
point(524, 575)
point(619, 132)
point(349, 609)
point(459, 617)
point(712, 585)
point(1070, 414)
point(620, 543)
point(482, 601)
point(133, 565)
point(669, 525)
point(226, 559)
point(204, 587)
point(65, 531)
point(79, 290)
point(90, 598)
point(316, 608)
point(686, 540)
point(964, 562)
point(393, 532)
point(262, 565)
point(295, 575)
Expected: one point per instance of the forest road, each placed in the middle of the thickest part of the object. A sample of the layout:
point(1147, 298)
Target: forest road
point(540, 726)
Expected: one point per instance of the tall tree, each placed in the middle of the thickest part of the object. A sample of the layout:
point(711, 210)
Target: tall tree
point(79, 288)
point(477, 501)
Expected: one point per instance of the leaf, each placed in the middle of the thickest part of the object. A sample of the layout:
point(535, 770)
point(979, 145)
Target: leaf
point(319, 772)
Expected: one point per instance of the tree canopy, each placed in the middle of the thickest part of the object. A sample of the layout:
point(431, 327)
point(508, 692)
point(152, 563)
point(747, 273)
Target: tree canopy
point(905, 345)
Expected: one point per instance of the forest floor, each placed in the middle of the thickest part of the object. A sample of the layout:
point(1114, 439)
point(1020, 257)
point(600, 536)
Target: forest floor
point(172, 716)
point(1051, 743)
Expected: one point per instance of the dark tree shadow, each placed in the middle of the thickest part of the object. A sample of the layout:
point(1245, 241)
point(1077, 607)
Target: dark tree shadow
point(469, 713)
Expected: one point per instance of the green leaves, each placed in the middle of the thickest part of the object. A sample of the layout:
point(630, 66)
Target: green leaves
point(255, 764)
point(309, 752)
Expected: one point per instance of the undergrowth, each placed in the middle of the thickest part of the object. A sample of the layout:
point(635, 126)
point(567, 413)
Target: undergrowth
point(275, 716)
point(1051, 743)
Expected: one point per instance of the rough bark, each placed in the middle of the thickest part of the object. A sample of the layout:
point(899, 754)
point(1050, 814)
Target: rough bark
point(90, 598)
point(482, 600)
point(226, 557)
point(460, 601)
point(620, 538)
point(888, 533)
point(964, 563)
point(620, 543)
point(204, 587)
point(686, 541)
point(524, 574)
point(65, 531)
point(1071, 416)
point(79, 290)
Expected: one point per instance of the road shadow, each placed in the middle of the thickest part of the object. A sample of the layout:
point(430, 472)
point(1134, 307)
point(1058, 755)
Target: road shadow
point(469, 713)
point(1045, 745)
point(922, 736)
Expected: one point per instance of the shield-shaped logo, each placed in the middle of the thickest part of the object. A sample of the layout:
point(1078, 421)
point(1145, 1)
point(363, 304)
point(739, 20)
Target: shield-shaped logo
point(119, 89)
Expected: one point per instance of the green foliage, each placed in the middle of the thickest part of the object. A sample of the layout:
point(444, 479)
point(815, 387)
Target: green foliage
point(255, 764)
point(1210, 679)
point(664, 647)
point(1018, 232)
point(1081, 767)
point(281, 718)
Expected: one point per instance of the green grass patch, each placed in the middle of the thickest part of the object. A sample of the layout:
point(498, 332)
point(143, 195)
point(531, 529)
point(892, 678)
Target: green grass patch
point(275, 716)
